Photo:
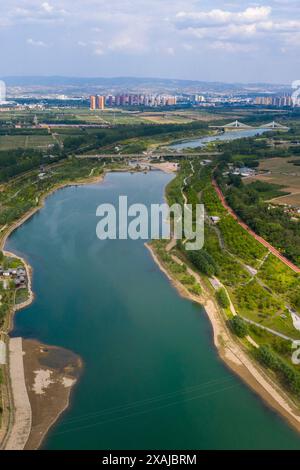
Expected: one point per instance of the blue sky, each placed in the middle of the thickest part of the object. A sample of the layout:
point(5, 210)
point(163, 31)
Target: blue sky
point(192, 39)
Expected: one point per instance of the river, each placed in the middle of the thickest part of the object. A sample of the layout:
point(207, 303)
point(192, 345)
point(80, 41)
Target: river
point(152, 378)
point(226, 137)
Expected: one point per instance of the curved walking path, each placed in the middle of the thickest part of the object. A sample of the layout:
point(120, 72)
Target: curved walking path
point(20, 429)
point(261, 240)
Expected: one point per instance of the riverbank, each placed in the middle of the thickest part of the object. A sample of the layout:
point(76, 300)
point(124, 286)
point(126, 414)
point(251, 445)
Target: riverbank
point(233, 353)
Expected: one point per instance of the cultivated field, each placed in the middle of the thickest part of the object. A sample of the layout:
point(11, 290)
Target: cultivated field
point(12, 142)
point(281, 171)
point(165, 118)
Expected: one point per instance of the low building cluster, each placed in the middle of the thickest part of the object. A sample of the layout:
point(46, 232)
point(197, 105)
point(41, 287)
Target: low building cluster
point(18, 275)
point(244, 171)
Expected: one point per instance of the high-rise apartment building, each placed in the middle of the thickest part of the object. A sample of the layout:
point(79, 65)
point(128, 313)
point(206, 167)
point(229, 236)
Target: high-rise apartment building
point(131, 99)
point(97, 102)
point(279, 101)
point(93, 102)
point(100, 102)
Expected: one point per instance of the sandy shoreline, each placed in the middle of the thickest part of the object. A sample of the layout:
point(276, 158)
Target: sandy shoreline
point(234, 355)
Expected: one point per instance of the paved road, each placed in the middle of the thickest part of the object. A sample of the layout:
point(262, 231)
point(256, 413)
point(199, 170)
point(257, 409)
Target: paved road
point(274, 332)
point(261, 240)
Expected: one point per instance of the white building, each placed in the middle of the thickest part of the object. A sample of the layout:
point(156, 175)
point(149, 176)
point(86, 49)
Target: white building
point(2, 92)
point(214, 219)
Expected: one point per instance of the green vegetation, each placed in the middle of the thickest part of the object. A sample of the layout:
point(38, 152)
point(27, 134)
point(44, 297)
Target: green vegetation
point(230, 271)
point(8, 290)
point(239, 242)
point(15, 162)
point(273, 224)
point(281, 280)
point(239, 326)
point(222, 298)
point(11, 142)
point(21, 296)
point(25, 192)
point(173, 190)
point(203, 261)
point(178, 271)
point(251, 201)
point(286, 374)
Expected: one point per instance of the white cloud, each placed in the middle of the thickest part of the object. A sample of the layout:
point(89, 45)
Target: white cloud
point(33, 12)
point(231, 47)
point(170, 50)
point(292, 40)
point(187, 46)
point(133, 39)
point(222, 17)
point(99, 51)
point(150, 32)
point(249, 29)
point(47, 7)
point(35, 43)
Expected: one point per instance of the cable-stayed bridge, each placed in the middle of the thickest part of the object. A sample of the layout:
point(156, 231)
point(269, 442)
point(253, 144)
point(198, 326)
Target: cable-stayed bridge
point(241, 126)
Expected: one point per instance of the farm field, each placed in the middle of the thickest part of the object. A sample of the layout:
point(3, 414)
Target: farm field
point(113, 116)
point(280, 165)
point(12, 142)
point(165, 118)
point(282, 172)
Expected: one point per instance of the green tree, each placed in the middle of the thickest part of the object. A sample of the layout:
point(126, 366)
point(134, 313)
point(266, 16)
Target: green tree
point(239, 326)
point(222, 298)
point(203, 262)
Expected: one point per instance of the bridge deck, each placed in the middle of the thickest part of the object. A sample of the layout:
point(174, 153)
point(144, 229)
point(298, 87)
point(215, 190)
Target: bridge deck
point(138, 155)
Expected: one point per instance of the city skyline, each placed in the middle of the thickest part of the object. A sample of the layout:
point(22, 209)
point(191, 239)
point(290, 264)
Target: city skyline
point(210, 41)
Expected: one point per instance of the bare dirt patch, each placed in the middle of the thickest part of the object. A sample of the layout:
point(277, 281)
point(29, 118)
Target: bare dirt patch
point(50, 374)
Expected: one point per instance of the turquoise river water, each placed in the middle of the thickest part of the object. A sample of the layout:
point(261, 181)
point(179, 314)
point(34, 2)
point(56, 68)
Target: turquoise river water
point(152, 378)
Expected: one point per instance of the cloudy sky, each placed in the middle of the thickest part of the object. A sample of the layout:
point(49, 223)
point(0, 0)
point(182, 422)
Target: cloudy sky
point(190, 39)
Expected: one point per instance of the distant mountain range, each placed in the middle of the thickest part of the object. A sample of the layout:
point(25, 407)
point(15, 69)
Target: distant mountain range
point(75, 85)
